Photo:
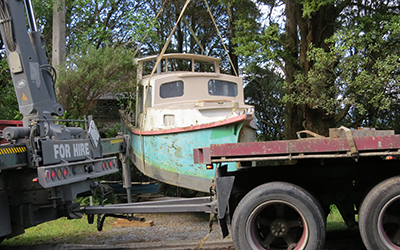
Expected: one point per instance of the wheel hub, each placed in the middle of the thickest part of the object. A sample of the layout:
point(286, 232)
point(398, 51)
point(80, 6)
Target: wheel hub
point(279, 228)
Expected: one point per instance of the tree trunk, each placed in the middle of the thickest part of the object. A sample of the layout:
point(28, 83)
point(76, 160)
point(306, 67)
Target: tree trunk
point(301, 32)
point(294, 114)
point(231, 35)
point(58, 46)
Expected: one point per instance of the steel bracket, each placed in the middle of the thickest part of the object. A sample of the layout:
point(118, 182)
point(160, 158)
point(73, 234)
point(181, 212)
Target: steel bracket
point(224, 187)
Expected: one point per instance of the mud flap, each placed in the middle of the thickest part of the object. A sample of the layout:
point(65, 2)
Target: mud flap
point(5, 225)
point(224, 187)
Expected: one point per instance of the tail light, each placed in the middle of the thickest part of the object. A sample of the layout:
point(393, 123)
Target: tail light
point(53, 174)
point(65, 172)
point(104, 166)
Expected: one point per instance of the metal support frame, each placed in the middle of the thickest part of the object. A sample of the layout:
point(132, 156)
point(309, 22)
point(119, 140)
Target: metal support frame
point(126, 171)
point(200, 204)
point(219, 206)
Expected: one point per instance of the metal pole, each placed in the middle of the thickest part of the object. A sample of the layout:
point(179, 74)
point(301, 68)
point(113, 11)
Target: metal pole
point(31, 15)
point(126, 171)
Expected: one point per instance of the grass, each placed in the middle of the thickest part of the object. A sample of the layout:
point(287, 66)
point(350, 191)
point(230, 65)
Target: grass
point(64, 231)
point(335, 221)
point(60, 231)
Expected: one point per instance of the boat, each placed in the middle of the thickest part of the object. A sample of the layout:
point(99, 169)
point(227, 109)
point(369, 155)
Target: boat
point(136, 187)
point(189, 104)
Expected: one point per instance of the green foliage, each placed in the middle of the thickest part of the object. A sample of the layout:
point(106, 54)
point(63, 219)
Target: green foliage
point(317, 89)
point(100, 23)
point(92, 21)
point(361, 70)
point(247, 28)
point(44, 19)
point(8, 100)
point(113, 132)
point(91, 73)
point(354, 72)
point(335, 220)
point(108, 199)
point(264, 90)
point(311, 6)
point(369, 70)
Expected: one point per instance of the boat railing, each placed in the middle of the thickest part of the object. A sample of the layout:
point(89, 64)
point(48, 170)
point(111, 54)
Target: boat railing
point(189, 57)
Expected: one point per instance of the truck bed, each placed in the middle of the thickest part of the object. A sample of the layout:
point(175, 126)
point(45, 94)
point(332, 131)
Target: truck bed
point(307, 148)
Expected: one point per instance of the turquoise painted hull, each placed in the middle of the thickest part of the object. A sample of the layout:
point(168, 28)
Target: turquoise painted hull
point(169, 157)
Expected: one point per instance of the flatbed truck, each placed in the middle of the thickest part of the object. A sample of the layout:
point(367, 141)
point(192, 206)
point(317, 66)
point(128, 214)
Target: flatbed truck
point(282, 192)
point(278, 198)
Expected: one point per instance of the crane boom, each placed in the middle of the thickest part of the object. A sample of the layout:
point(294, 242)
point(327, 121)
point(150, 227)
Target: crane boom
point(32, 76)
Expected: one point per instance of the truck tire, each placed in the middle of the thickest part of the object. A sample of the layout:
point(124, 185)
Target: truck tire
point(379, 216)
point(278, 215)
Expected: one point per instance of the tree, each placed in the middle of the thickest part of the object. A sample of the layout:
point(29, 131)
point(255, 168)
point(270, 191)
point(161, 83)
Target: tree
point(319, 73)
point(58, 38)
point(8, 102)
point(91, 73)
point(369, 68)
point(101, 23)
point(264, 90)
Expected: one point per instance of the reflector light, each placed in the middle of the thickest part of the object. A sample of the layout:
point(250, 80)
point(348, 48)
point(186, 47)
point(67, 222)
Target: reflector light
point(209, 166)
point(59, 174)
point(115, 163)
point(47, 175)
point(65, 172)
point(389, 157)
point(53, 174)
point(35, 180)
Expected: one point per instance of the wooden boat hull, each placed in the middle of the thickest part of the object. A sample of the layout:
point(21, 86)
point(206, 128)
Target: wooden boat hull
point(136, 188)
point(168, 155)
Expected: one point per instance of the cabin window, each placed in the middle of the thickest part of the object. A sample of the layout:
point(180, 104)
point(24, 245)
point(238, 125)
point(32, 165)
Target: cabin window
point(169, 120)
point(171, 89)
point(222, 88)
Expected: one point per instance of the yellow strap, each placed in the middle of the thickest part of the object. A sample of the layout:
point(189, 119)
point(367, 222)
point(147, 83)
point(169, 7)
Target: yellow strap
point(349, 136)
point(194, 36)
point(210, 224)
point(219, 34)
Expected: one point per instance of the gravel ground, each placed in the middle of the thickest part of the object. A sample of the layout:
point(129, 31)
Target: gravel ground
point(169, 227)
point(180, 232)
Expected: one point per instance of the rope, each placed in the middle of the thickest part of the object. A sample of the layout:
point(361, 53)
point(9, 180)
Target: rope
point(210, 224)
point(212, 215)
point(151, 75)
point(220, 36)
point(5, 21)
point(194, 36)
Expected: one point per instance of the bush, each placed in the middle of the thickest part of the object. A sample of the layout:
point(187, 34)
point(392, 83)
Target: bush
point(90, 74)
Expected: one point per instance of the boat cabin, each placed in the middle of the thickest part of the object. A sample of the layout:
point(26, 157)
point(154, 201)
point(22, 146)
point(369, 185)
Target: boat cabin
point(186, 90)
